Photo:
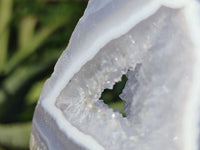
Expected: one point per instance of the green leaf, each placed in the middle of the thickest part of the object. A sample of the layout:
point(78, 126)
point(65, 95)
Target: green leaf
point(15, 136)
point(33, 95)
point(5, 16)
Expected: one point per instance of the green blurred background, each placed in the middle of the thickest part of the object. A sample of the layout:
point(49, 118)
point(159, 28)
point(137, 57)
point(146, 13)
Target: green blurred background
point(33, 34)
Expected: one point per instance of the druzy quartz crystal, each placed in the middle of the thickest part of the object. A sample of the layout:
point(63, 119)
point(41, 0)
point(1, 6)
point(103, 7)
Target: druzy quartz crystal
point(156, 44)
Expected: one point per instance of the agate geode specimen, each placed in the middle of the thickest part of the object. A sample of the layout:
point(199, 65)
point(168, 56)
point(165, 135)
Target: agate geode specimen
point(156, 44)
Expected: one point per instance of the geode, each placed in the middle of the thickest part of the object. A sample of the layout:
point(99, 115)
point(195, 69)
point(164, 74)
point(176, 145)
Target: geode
point(156, 44)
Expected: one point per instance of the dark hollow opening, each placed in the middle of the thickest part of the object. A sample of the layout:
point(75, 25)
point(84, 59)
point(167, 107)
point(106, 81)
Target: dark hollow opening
point(111, 97)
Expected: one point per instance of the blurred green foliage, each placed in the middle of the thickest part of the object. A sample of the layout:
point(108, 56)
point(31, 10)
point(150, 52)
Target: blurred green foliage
point(33, 34)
